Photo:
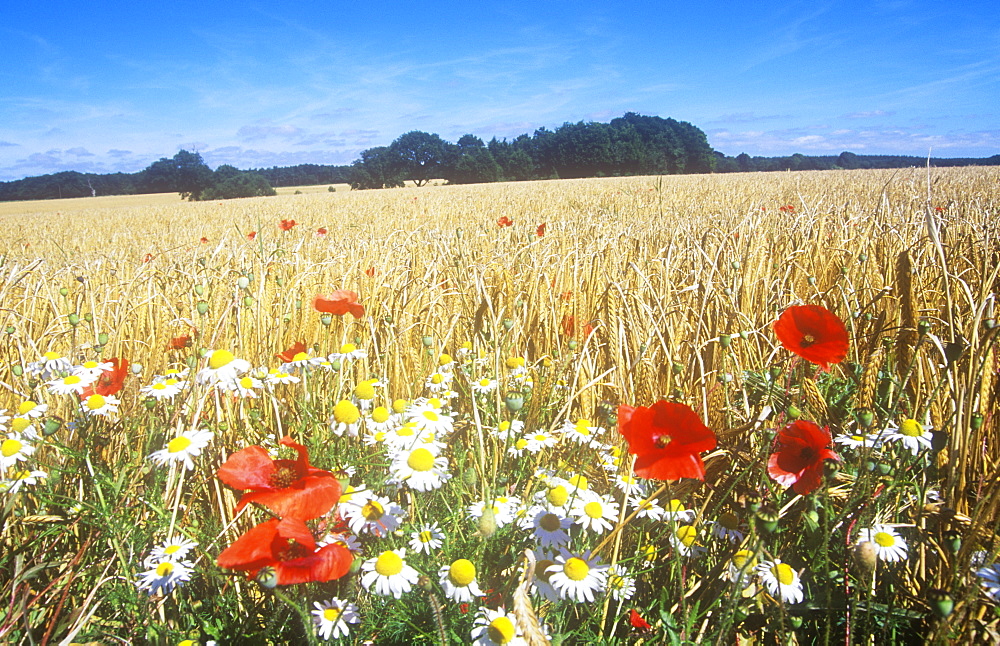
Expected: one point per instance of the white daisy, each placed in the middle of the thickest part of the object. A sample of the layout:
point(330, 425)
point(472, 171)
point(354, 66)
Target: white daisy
point(518, 448)
point(164, 575)
point(583, 432)
point(13, 450)
point(613, 459)
point(548, 528)
point(913, 435)
point(484, 386)
point(740, 567)
point(439, 381)
point(990, 580)
point(685, 540)
point(348, 351)
point(595, 513)
point(172, 549)
point(380, 420)
point(222, 366)
point(50, 365)
point(889, 545)
point(93, 369)
point(621, 584)
point(70, 384)
point(540, 440)
point(345, 539)
point(541, 584)
point(275, 377)
point(100, 405)
point(245, 386)
point(429, 538)
point(504, 509)
point(364, 394)
point(333, 618)
point(24, 426)
point(781, 581)
point(378, 516)
point(459, 581)
point(431, 420)
point(647, 508)
point(302, 361)
point(630, 485)
point(346, 419)
point(163, 389)
point(674, 510)
point(508, 430)
point(31, 409)
point(855, 441)
point(183, 447)
point(556, 495)
point(577, 578)
point(420, 468)
point(389, 573)
point(496, 628)
point(20, 479)
point(727, 527)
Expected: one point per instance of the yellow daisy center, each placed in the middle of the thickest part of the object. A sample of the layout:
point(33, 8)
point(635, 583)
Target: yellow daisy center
point(437, 378)
point(380, 415)
point(164, 569)
point(171, 549)
point(783, 573)
point(444, 359)
point(346, 413)
point(675, 506)
point(576, 569)
point(52, 356)
point(388, 564)
point(484, 382)
point(431, 416)
point(420, 460)
point(406, 430)
point(594, 509)
point(515, 362)
point(435, 403)
point(686, 534)
point(26, 407)
point(911, 428)
point(504, 426)
point(159, 386)
point(501, 630)
point(550, 522)
point(331, 614)
point(178, 444)
point(365, 390)
point(10, 447)
point(884, 539)
point(740, 559)
point(300, 356)
point(558, 495)
point(462, 572)
point(579, 481)
point(729, 521)
point(220, 358)
point(19, 424)
point(426, 536)
point(399, 406)
point(96, 402)
point(521, 444)
point(89, 365)
point(373, 510)
point(72, 380)
point(246, 383)
point(348, 348)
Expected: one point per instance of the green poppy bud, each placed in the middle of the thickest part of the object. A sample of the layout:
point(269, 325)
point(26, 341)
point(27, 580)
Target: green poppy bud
point(202, 307)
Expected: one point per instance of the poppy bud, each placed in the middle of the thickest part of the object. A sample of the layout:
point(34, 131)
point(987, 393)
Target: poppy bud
point(136, 368)
point(279, 281)
point(199, 289)
point(326, 320)
point(242, 282)
point(514, 401)
point(989, 323)
point(63, 291)
point(941, 602)
point(202, 307)
point(102, 338)
point(727, 291)
point(884, 469)
point(150, 403)
point(10, 329)
point(795, 621)
point(335, 365)
point(487, 522)
point(953, 540)
point(508, 324)
point(976, 422)
point(355, 566)
point(793, 412)
point(768, 518)
point(677, 367)
point(572, 344)
point(811, 280)
point(17, 370)
point(774, 372)
point(52, 426)
point(862, 257)
point(248, 301)
point(866, 556)
point(267, 578)
point(864, 416)
point(735, 264)
point(725, 340)
point(470, 477)
point(74, 320)
point(923, 327)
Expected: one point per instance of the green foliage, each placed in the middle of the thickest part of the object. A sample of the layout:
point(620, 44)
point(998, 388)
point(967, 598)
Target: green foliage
point(231, 183)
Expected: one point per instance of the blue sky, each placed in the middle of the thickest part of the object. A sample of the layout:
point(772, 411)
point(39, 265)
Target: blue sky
point(105, 87)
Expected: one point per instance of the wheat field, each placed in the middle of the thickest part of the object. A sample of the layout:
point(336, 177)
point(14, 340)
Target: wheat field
point(613, 291)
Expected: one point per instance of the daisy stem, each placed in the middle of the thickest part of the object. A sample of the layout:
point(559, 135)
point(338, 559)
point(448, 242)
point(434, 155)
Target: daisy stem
point(307, 623)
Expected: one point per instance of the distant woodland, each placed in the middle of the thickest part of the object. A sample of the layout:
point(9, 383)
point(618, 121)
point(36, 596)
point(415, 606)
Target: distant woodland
point(629, 145)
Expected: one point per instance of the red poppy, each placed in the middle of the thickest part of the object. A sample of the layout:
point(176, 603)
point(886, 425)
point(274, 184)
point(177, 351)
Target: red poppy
point(110, 382)
point(667, 438)
point(204, 240)
point(799, 452)
point(569, 326)
point(340, 302)
point(566, 295)
point(288, 546)
point(370, 271)
point(286, 225)
point(504, 221)
point(289, 355)
point(251, 235)
point(289, 488)
point(814, 333)
point(637, 621)
point(321, 231)
point(540, 231)
point(147, 258)
point(179, 342)
point(788, 208)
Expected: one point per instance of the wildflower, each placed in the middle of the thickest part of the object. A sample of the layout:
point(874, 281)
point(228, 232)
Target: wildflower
point(508, 430)
point(380, 420)
point(781, 581)
point(799, 452)
point(667, 439)
point(990, 579)
point(182, 448)
point(636, 620)
point(179, 342)
point(814, 333)
point(459, 580)
point(621, 585)
point(685, 540)
point(503, 510)
point(50, 365)
point(251, 235)
point(647, 508)
point(420, 468)
point(577, 578)
point(484, 386)
point(364, 394)
point(540, 230)
point(243, 387)
point(911, 434)
point(583, 432)
point(739, 567)
point(30, 409)
point(430, 420)
point(21, 478)
point(275, 376)
point(378, 516)
point(629, 484)
point(548, 528)
point(92, 369)
point(871, 440)
point(164, 575)
point(504, 221)
point(110, 380)
point(595, 513)
point(69, 385)
point(14, 450)
point(674, 510)
point(727, 527)
point(389, 573)
point(333, 618)
point(286, 225)
point(288, 546)
point(540, 440)
point(496, 628)
point(346, 418)
point(222, 366)
point(289, 488)
point(100, 406)
point(348, 351)
point(174, 549)
point(889, 545)
point(165, 389)
point(340, 302)
point(429, 538)
point(294, 351)
point(22, 425)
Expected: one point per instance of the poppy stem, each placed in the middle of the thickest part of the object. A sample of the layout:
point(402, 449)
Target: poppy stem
point(307, 623)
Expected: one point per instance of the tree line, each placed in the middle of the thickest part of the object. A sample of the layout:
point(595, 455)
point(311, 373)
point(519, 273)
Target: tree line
point(744, 163)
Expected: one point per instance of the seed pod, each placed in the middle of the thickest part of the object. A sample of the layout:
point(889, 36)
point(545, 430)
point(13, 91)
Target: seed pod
point(866, 556)
point(487, 522)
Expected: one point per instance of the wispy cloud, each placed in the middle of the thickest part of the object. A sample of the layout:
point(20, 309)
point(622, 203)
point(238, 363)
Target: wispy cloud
point(869, 115)
point(898, 140)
